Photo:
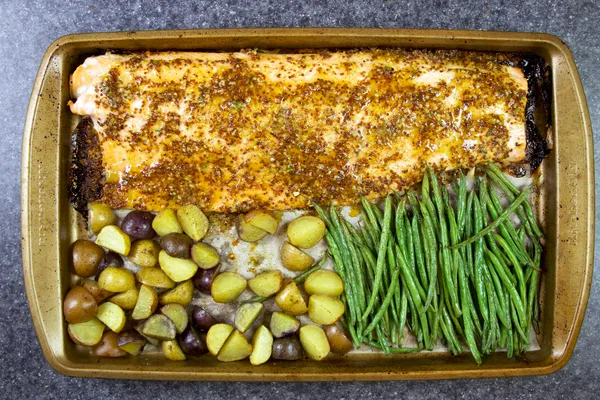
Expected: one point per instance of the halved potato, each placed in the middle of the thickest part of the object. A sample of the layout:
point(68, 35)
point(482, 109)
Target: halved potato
point(339, 342)
point(154, 277)
point(216, 337)
point(267, 283)
point(306, 231)
point(116, 279)
point(205, 255)
point(235, 348)
point(177, 314)
point(144, 253)
point(146, 304)
point(282, 325)
point(79, 305)
point(248, 232)
point(295, 259)
point(112, 316)
point(263, 220)
point(314, 342)
point(324, 282)
point(166, 222)
point(246, 314)
point(99, 294)
point(181, 294)
point(159, 327)
point(290, 299)
point(193, 221)
point(262, 346)
point(86, 333)
point(126, 300)
point(324, 310)
point(139, 327)
point(108, 346)
point(172, 350)
point(113, 238)
point(99, 216)
point(178, 269)
point(131, 341)
point(227, 286)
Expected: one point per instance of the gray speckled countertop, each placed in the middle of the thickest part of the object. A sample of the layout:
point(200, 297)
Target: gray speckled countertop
point(29, 27)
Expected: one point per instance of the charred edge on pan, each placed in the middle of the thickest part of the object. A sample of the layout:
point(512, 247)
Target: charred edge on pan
point(86, 179)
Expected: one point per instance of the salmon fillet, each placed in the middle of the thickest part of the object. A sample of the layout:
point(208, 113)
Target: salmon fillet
point(238, 131)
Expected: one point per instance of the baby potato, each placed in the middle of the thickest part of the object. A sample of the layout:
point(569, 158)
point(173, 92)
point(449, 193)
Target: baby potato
point(126, 300)
point(177, 314)
point(144, 253)
point(87, 256)
point(193, 221)
point(283, 325)
point(178, 269)
point(192, 343)
point(262, 346)
point(138, 225)
point(154, 277)
point(235, 348)
point(111, 259)
point(290, 299)
point(205, 255)
point(108, 346)
point(338, 340)
point(139, 327)
point(203, 278)
point(96, 291)
point(263, 220)
point(99, 216)
point(86, 333)
point(227, 287)
point(295, 259)
point(112, 316)
point(267, 283)
point(202, 319)
point(216, 337)
point(116, 280)
point(159, 327)
point(314, 342)
point(79, 306)
point(177, 244)
point(113, 238)
point(324, 310)
point(289, 349)
point(146, 304)
point(131, 341)
point(306, 231)
point(172, 350)
point(246, 314)
point(180, 294)
point(324, 282)
point(166, 222)
point(248, 232)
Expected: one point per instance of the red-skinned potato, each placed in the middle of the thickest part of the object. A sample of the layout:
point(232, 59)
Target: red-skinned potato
point(339, 341)
point(79, 305)
point(109, 346)
point(87, 256)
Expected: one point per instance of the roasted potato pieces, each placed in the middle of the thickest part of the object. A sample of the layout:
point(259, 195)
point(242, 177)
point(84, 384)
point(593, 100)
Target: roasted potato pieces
point(172, 350)
point(263, 220)
point(216, 337)
point(205, 255)
point(203, 279)
point(193, 221)
point(177, 314)
point(87, 256)
point(180, 294)
point(126, 300)
point(227, 286)
point(248, 232)
point(235, 348)
point(112, 316)
point(166, 222)
point(159, 327)
point(116, 280)
point(246, 314)
point(138, 225)
point(314, 342)
point(146, 304)
point(108, 346)
point(178, 269)
point(177, 244)
point(144, 253)
point(113, 238)
point(339, 342)
point(324, 282)
point(202, 319)
point(283, 325)
point(295, 259)
point(79, 306)
point(290, 299)
point(99, 216)
point(288, 349)
point(131, 341)
point(192, 343)
point(154, 277)
point(262, 346)
point(86, 333)
point(306, 231)
point(267, 283)
point(324, 310)
point(95, 290)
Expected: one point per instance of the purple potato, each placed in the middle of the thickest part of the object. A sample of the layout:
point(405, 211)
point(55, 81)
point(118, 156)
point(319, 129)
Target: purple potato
point(192, 343)
point(138, 225)
point(203, 279)
point(202, 319)
point(177, 244)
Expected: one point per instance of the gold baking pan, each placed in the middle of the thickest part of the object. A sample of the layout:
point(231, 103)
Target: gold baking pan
point(565, 205)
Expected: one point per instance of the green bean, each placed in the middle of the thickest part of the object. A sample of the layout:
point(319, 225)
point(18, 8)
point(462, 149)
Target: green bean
point(479, 262)
point(385, 236)
point(467, 233)
point(430, 241)
point(371, 218)
point(396, 350)
point(507, 212)
point(516, 267)
point(399, 224)
point(466, 315)
point(357, 269)
point(418, 250)
point(382, 340)
point(448, 331)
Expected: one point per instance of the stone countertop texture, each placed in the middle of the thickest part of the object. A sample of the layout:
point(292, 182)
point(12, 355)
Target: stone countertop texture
point(29, 27)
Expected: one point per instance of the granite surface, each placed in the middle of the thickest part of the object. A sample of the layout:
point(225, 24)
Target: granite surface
point(28, 27)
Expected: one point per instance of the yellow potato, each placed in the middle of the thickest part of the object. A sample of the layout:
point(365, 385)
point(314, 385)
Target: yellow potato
point(193, 221)
point(235, 348)
point(181, 294)
point(295, 259)
point(205, 255)
point(172, 350)
point(263, 220)
point(113, 238)
point(116, 279)
point(99, 216)
point(144, 253)
point(227, 286)
point(324, 310)
point(159, 327)
point(178, 269)
point(314, 342)
point(146, 303)
point(248, 232)
point(166, 222)
point(126, 300)
point(262, 346)
point(216, 337)
point(131, 341)
point(87, 333)
point(154, 277)
point(246, 314)
point(99, 294)
point(267, 283)
point(324, 282)
point(177, 314)
point(306, 231)
point(112, 316)
point(290, 299)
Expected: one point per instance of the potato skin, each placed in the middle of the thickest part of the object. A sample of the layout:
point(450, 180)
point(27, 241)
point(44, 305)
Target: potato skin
point(87, 256)
point(111, 259)
point(177, 244)
point(138, 225)
point(202, 319)
point(79, 305)
point(338, 340)
point(203, 279)
point(288, 348)
point(108, 346)
point(192, 343)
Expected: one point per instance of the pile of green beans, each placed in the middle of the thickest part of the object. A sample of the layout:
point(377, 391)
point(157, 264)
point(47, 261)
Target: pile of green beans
point(447, 263)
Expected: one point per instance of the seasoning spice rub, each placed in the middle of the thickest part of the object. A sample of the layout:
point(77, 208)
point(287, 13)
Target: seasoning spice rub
point(232, 132)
